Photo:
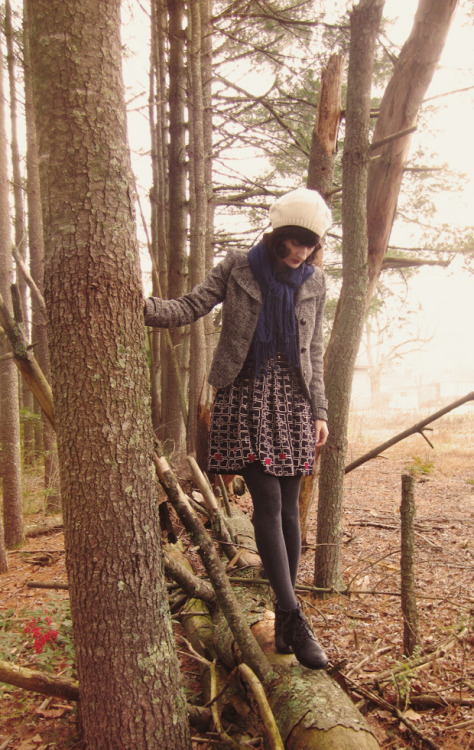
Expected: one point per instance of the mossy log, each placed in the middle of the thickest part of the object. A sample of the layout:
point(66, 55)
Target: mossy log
point(312, 712)
point(38, 682)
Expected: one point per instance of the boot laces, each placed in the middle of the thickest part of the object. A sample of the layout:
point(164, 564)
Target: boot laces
point(302, 629)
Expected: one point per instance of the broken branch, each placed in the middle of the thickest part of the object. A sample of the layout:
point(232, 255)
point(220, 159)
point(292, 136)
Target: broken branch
point(418, 427)
point(26, 362)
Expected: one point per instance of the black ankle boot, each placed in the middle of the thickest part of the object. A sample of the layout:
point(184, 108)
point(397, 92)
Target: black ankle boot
point(297, 633)
point(280, 646)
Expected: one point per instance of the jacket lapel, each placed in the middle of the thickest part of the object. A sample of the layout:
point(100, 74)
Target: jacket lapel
point(309, 289)
point(245, 279)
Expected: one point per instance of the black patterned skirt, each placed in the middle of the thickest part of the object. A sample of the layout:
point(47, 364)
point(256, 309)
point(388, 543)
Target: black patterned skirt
point(267, 419)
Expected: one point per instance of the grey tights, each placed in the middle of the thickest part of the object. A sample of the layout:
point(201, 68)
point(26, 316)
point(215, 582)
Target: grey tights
point(277, 529)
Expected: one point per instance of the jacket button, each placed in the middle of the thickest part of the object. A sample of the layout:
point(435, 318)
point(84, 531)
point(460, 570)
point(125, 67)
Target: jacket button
point(302, 322)
point(303, 349)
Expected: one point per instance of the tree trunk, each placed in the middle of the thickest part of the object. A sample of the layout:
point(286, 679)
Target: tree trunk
point(172, 417)
point(320, 178)
point(348, 324)
point(20, 233)
point(407, 565)
point(36, 248)
point(128, 671)
point(9, 412)
point(159, 194)
point(207, 78)
point(198, 217)
point(399, 110)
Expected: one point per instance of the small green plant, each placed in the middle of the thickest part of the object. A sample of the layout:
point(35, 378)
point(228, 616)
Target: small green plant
point(470, 482)
point(402, 680)
point(420, 466)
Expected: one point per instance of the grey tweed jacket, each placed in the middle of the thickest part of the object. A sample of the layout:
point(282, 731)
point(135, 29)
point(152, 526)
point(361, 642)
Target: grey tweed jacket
point(232, 282)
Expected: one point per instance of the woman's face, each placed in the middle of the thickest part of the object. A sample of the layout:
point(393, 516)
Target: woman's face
point(297, 253)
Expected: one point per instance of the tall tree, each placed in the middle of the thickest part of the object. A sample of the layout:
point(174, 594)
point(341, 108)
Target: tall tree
point(126, 659)
point(399, 110)
point(36, 249)
point(198, 216)
point(172, 413)
point(19, 226)
point(159, 194)
point(9, 411)
point(345, 337)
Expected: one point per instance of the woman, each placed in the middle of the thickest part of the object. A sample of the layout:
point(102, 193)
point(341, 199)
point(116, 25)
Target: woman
point(269, 410)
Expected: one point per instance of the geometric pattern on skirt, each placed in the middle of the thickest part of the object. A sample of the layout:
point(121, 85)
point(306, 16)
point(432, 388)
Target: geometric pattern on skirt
point(266, 419)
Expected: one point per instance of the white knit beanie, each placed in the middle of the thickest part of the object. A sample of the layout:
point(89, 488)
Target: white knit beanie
point(301, 208)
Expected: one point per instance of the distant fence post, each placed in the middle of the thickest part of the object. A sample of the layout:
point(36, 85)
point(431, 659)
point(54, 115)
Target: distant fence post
point(407, 565)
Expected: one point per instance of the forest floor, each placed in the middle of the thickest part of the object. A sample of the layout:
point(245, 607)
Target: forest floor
point(364, 631)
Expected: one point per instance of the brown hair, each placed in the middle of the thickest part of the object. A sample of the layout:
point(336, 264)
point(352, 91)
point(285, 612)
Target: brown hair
point(275, 240)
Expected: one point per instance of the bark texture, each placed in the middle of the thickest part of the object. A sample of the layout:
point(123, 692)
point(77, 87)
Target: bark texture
point(326, 127)
point(126, 658)
point(348, 324)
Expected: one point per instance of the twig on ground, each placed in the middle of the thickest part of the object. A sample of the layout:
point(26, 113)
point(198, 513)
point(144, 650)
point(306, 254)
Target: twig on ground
point(266, 714)
point(411, 664)
point(215, 713)
point(373, 654)
point(379, 701)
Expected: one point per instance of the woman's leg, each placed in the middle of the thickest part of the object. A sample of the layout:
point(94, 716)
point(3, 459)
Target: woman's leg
point(290, 516)
point(275, 502)
point(270, 537)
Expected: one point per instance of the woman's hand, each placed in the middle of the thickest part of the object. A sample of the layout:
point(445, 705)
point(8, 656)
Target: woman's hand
point(321, 432)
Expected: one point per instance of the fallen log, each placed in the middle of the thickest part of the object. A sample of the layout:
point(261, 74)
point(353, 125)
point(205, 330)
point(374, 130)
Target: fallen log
point(311, 710)
point(61, 687)
point(47, 585)
point(44, 527)
point(37, 682)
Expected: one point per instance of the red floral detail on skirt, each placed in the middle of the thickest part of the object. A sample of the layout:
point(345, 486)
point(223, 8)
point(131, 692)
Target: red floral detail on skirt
point(266, 419)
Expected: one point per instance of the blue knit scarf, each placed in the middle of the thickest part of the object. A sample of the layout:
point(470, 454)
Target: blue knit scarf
point(276, 327)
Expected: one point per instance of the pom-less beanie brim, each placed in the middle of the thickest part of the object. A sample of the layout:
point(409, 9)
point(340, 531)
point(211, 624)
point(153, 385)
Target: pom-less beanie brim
point(301, 208)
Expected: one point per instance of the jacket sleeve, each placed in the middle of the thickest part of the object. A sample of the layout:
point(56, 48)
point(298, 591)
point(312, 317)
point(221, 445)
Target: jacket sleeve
point(171, 313)
point(316, 388)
